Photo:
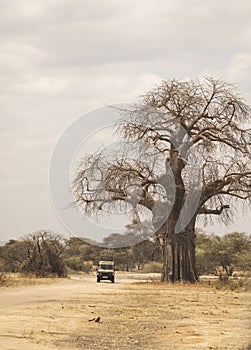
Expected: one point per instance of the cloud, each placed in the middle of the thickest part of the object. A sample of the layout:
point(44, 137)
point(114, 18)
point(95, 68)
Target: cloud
point(240, 67)
point(59, 59)
point(239, 72)
point(70, 34)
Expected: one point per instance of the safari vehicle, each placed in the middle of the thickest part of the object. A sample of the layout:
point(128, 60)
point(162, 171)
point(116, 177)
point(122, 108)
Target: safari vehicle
point(105, 271)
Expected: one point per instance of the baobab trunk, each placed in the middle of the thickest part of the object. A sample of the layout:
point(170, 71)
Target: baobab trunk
point(166, 256)
point(188, 259)
point(178, 253)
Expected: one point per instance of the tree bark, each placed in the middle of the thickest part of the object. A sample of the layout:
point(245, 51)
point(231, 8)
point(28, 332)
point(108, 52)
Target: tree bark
point(178, 255)
point(166, 250)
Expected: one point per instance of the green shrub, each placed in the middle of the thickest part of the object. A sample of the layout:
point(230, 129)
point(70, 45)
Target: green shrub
point(152, 267)
point(76, 263)
point(87, 266)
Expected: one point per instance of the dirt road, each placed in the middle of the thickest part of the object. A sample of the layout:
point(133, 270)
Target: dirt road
point(132, 316)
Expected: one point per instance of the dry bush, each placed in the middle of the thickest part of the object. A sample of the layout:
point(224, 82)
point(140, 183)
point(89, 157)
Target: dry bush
point(3, 280)
point(234, 285)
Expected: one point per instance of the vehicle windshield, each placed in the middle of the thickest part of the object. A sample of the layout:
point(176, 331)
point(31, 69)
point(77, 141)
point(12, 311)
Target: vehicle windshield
point(106, 267)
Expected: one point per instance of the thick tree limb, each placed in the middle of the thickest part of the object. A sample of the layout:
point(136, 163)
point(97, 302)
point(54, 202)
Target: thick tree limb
point(216, 211)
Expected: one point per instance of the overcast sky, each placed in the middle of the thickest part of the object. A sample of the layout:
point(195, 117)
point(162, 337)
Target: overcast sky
point(61, 58)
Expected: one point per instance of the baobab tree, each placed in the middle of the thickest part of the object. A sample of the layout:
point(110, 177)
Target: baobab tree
point(191, 157)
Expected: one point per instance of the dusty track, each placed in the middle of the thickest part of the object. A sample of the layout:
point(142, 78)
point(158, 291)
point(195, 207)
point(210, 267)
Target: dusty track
point(133, 316)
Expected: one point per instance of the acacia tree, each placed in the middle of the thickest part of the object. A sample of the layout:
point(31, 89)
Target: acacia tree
point(43, 254)
point(38, 253)
point(195, 161)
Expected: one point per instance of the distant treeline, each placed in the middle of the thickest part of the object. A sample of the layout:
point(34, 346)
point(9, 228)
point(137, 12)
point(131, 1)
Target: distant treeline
point(44, 253)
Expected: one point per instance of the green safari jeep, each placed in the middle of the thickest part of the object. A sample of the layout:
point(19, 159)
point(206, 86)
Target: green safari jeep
point(106, 271)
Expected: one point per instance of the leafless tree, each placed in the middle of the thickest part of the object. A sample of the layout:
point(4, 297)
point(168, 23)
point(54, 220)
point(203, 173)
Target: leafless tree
point(191, 142)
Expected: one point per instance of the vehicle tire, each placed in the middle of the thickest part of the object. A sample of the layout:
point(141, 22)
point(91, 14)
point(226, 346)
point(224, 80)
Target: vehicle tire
point(98, 280)
point(112, 279)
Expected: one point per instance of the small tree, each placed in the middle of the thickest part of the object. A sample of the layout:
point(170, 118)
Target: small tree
point(207, 253)
point(44, 251)
point(14, 254)
point(233, 247)
point(226, 253)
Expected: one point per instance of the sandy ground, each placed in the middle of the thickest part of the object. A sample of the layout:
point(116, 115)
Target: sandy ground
point(132, 316)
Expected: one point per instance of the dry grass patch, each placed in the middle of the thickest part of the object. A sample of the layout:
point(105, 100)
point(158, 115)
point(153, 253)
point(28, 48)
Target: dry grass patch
point(17, 280)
